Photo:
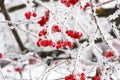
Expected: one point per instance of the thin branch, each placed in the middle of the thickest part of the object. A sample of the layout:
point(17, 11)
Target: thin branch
point(7, 17)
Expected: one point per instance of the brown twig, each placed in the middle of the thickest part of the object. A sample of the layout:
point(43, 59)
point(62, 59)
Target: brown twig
point(7, 17)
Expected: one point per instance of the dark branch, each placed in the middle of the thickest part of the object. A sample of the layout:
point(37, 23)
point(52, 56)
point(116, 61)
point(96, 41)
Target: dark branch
point(7, 17)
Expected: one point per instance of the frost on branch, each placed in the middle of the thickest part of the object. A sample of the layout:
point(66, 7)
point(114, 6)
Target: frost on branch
point(67, 38)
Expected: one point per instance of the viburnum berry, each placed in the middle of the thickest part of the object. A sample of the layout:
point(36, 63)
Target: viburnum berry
point(86, 5)
point(73, 2)
point(28, 15)
point(34, 14)
point(109, 54)
point(1, 55)
point(63, 1)
point(68, 4)
point(39, 42)
point(96, 78)
point(55, 28)
point(47, 13)
point(43, 32)
point(69, 77)
point(82, 76)
point(32, 60)
point(18, 69)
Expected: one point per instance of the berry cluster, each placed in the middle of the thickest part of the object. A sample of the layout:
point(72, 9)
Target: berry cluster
point(28, 14)
point(74, 34)
point(58, 44)
point(43, 32)
point(44, 19)
point(61, 44)
point(44, 43)
point(108, 54)
point(68, 3)
point(55, 28)
point(71, 77)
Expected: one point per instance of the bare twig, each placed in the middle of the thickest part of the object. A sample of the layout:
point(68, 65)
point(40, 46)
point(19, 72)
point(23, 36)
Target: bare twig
point(7, 17)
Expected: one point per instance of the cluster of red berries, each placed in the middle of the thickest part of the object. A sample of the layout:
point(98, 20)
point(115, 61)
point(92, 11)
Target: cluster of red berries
point(58, 44)
point(108, 54)
point(44, 19)
point(61, 44)
point(68, 3)
point(71, 77)
point(74, 34)
point(55, 28)
point(1, 55)
point(44, 43)
point(43, 32)
point(18, 69)
point(28, 14)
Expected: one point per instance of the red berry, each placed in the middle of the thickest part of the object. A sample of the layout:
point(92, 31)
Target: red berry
point(109, 54)
point(43, 32)
point(28, 15)
point(96, 78)
point(32, 60)
point(1, 55)
point(34, 14)
point(18, 69)
point(47, 13)
point(68, 4)
point(82, 76)
point(86, 5)
point(74, 34)
point(59, 44)
point(43, 20)
point(39, 42)
point(56, 28)
point(69, 77)
point(63, 1)
point(73, 2)
point(70, 45)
